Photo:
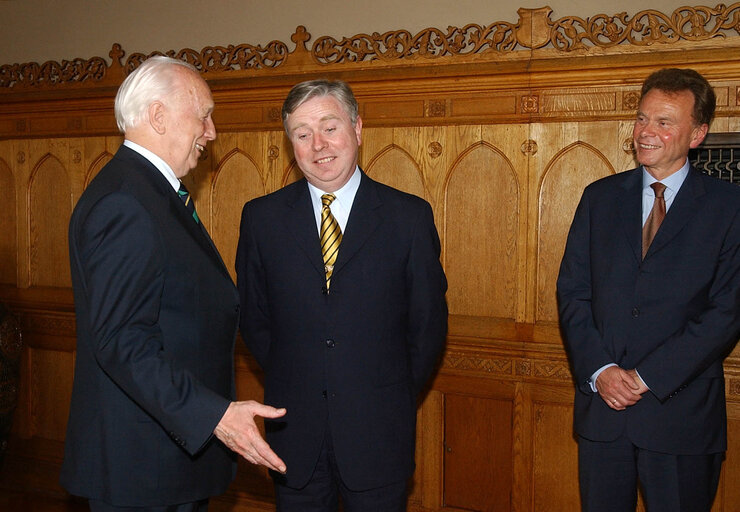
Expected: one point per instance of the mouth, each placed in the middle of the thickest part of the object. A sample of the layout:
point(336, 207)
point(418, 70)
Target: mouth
point(325, 160)
point(647, 146)
point(200, 147)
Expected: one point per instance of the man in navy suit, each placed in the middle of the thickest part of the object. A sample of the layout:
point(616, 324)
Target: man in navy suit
point(649, 316)
point(157, 314)
point(343, 306)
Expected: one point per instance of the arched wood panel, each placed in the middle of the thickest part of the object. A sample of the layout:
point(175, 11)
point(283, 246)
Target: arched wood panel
point(565, 178)
point(395, 167)
point(50, 207)
point(480, 230)
point(238, 180)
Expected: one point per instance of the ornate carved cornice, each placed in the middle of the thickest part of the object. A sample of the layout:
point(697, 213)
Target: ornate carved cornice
point(496, 42)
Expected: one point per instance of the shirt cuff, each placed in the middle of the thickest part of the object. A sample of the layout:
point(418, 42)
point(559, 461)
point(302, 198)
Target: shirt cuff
point(596, 374)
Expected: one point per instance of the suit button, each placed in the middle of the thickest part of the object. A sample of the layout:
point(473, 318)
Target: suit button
point(330, 343)
point(323, 394)
point(635, 312)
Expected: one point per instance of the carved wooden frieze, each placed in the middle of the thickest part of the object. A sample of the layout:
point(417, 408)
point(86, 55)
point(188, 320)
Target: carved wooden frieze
point(497, 41)
point(509, 366)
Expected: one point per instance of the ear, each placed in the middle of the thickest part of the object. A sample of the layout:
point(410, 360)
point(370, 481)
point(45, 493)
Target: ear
point(698, 134)
point(156, 117)
point(358, 130)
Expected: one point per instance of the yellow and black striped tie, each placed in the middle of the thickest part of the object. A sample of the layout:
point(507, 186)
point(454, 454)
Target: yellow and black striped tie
point(330, 235)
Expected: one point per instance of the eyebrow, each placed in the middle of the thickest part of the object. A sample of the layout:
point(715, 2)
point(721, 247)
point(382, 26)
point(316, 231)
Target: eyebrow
point(327, 117)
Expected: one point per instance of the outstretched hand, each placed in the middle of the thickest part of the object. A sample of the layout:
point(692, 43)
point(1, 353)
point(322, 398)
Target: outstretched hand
point(238, 430)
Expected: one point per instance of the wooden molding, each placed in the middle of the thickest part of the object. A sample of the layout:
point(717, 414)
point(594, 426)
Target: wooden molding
point(495, 42)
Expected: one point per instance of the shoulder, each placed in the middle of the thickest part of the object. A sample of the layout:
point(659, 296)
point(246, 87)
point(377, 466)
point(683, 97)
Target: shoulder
point(719, 188)
point(393, 196)
point(614, 182)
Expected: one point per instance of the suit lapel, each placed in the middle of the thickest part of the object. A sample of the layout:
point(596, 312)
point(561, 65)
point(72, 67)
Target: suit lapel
point(302, 224)
point(196, 229)
point(180, 212)
point(630, 211)
point(364, 219)
point(684, 207)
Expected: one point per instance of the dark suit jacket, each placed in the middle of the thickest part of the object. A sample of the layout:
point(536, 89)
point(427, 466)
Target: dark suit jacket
point(157, 315)
point(353, 360)
point(673, 316)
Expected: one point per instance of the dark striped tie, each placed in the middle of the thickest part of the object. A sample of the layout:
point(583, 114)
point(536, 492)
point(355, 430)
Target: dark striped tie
point(189, 204)
point(330, 235)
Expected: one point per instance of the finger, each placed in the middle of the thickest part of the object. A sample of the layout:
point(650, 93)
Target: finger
point(269, 457)
point(266, 411)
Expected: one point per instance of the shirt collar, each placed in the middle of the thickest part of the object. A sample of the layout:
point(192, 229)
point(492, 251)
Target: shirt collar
point(672, 182)
point(345, 195)
point(156, 161)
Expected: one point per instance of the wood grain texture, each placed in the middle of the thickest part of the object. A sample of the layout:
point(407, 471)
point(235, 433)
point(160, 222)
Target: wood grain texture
point(500, 144)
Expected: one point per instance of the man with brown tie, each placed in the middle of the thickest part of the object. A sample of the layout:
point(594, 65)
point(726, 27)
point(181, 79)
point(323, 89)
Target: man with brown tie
point(343, 305)
point(649, 299)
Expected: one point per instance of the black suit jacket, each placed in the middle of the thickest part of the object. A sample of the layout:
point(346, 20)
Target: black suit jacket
point(673, 316)
point(353, 360)
point(157, 315)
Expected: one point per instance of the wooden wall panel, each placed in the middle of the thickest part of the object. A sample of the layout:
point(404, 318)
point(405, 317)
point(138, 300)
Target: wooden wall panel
point(51, 374)
point(394, 167)
point(50, 207)
point(478, 453)
point(555, 459)
point(500, 142)
point(565, 177)
point(481, 227)
point(237, 181)
point(8, 227)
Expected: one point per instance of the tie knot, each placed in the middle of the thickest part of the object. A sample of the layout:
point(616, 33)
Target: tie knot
point(658, 188)
point(327, 199)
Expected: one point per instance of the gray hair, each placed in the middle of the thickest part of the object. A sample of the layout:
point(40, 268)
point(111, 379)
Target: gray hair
point(154, 80)
point(305, 91)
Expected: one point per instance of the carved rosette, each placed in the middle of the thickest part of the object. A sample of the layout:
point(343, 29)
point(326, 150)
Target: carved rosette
point(529, 147)
point(630, 100)
point(627, 145)
point(434, 149)
point(530, 104)
point(273, 152)
point(437, 108)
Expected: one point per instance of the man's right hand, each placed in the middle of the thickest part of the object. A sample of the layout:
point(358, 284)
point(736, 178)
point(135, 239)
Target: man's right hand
point(238, 430)
point(618, 388)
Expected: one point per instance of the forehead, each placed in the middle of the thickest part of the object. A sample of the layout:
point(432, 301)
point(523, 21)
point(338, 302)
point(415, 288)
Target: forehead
point(317, 109)
point(192, 86)
point(681, 102)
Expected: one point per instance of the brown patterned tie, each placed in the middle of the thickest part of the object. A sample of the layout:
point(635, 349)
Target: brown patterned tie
point(330, 235)
point(657, 214)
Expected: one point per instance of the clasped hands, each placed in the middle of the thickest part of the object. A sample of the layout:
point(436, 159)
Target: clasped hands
point(620, 388)
point(238, 431)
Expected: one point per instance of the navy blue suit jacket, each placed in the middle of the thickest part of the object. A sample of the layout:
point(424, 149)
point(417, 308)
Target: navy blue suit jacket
point(674, 315)
point(157, 315)
point(353, 360)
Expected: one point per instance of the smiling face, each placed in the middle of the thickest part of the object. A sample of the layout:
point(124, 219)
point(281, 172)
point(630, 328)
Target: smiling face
point(325, 142)
point(188, 123)
point(665, 130)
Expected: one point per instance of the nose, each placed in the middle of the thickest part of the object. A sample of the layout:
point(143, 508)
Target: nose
point(210, 129)
point(319, 142)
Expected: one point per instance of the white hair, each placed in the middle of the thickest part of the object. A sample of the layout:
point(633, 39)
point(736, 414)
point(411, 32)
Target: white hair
point(152, 81)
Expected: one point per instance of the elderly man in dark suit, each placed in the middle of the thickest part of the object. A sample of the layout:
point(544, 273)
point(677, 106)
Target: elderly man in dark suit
point(157, 315)
point(343, 306)
point(649, 298)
